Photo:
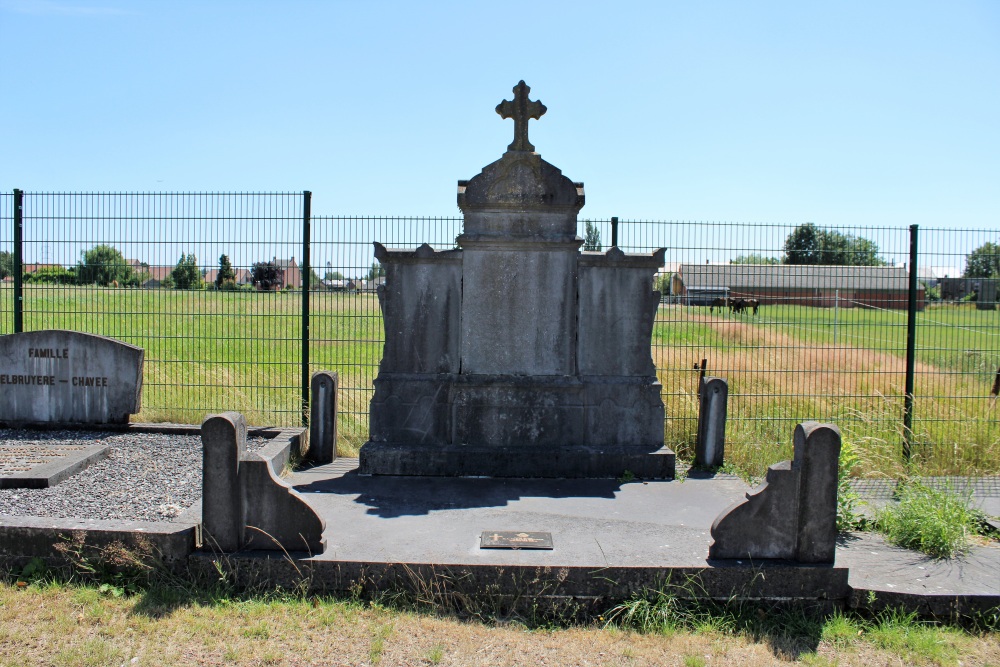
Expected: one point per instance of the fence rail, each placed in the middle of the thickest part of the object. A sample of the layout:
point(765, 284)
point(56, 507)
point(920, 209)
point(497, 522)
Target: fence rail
point(897, 354)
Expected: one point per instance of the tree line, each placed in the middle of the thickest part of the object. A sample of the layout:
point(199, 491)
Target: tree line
point(808, 244)
point(104, 265)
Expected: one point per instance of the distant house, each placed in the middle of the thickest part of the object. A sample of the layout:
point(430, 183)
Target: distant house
point(372, 285)
point(243, 276)
point(291, 275)
point(985, 289)
point(804, 285)
point(155, 275)
point(34, 268)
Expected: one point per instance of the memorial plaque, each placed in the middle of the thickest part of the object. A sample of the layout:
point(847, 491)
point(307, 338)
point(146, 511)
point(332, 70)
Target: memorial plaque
point(42, 466)
point(57, 376)
point(512, 539)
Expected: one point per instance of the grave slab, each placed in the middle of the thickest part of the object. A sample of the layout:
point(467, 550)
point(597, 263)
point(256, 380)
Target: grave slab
point(42, 466)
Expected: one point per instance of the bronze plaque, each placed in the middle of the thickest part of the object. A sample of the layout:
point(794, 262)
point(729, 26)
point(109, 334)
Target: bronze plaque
point(513, 539)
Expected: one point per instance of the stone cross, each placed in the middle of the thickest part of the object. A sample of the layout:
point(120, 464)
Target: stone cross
point(521, 109)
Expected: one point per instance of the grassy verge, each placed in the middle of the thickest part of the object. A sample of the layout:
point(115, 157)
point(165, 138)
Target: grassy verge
point(55, 621)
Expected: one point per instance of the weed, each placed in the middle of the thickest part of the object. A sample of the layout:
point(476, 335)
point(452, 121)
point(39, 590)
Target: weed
point(904, 635)
point(379, 638)
point(435, 654)
point(935, 522)
point(848, 500)
point(694, 661)
point(841, 630)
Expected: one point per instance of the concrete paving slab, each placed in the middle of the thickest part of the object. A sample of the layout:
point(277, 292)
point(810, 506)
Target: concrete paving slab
point(594, 523)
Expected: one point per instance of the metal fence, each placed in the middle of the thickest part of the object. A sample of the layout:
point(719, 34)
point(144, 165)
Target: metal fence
point(876, 350)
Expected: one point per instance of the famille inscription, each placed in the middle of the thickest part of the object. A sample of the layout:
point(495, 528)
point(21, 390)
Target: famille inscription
point(68, 377)
point(50, 353)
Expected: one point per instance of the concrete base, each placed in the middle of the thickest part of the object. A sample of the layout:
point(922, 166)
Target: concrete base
point(533, 591)
point(569, 462)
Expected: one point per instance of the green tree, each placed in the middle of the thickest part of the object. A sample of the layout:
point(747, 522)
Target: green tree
point(754, 258)
point(265, 275)
point(186, 274)
point(6, 264)
point(592, 237)
point(809, 244)
point(983, 262)
point(374, 272)
point(226, 278)
point(333, 275)
point(52, 275)
point(104, 265)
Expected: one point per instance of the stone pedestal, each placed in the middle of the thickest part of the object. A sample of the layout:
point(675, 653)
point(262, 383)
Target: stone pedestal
point(517, 355)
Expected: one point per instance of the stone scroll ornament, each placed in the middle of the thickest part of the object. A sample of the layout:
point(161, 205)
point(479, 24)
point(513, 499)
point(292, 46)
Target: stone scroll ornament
point(793, 514)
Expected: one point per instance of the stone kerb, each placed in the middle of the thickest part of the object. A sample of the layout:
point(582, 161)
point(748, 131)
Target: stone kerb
point(68, 377)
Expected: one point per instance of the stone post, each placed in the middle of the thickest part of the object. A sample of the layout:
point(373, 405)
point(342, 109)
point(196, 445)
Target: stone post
point(713, 402)
point(323, 417)
point(223, 439)
point(817, 456)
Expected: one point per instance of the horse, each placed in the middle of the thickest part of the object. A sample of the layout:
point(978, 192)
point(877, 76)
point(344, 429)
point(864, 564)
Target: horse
point(719, 303)
point(739, 305)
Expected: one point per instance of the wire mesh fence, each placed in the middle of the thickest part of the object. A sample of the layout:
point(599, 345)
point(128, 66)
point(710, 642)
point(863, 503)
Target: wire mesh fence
point(108, 264)
point(851, 334)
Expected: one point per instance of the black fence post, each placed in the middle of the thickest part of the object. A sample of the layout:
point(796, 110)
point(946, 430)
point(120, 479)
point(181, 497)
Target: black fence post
point(614, 232)
point(18, 267)
point(911, 346)
point(306, 274)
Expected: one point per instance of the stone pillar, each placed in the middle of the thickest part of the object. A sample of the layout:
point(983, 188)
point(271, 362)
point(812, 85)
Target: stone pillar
point(224, 439)
point(817, 456)
point(323, 417)
point(710, 449)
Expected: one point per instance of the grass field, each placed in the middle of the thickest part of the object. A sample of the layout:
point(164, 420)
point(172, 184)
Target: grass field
point(209, 351)
point(46, 622)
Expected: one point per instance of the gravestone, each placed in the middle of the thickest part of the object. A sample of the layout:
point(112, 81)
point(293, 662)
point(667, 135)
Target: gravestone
point(516, 355)
point(68, 377)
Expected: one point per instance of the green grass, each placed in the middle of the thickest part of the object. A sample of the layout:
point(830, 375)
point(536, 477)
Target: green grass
point(210, 351)
point(936, 522)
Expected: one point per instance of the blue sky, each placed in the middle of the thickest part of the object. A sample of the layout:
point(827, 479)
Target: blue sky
point(840, 113)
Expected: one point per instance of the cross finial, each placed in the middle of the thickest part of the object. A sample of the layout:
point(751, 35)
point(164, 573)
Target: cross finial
point(521, 109)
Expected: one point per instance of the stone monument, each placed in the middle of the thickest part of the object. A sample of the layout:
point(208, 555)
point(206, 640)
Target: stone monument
point(517, 355)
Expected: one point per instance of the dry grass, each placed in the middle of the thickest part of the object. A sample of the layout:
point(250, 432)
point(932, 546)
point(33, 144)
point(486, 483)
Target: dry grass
point(776, 380)
point(67, 625)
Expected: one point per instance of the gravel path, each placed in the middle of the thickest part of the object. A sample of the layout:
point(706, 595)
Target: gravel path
point(147, 477)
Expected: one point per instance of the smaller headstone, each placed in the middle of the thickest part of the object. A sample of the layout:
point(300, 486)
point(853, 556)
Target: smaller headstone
point(710, 449)
point(68, 377)
point(323, 417)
